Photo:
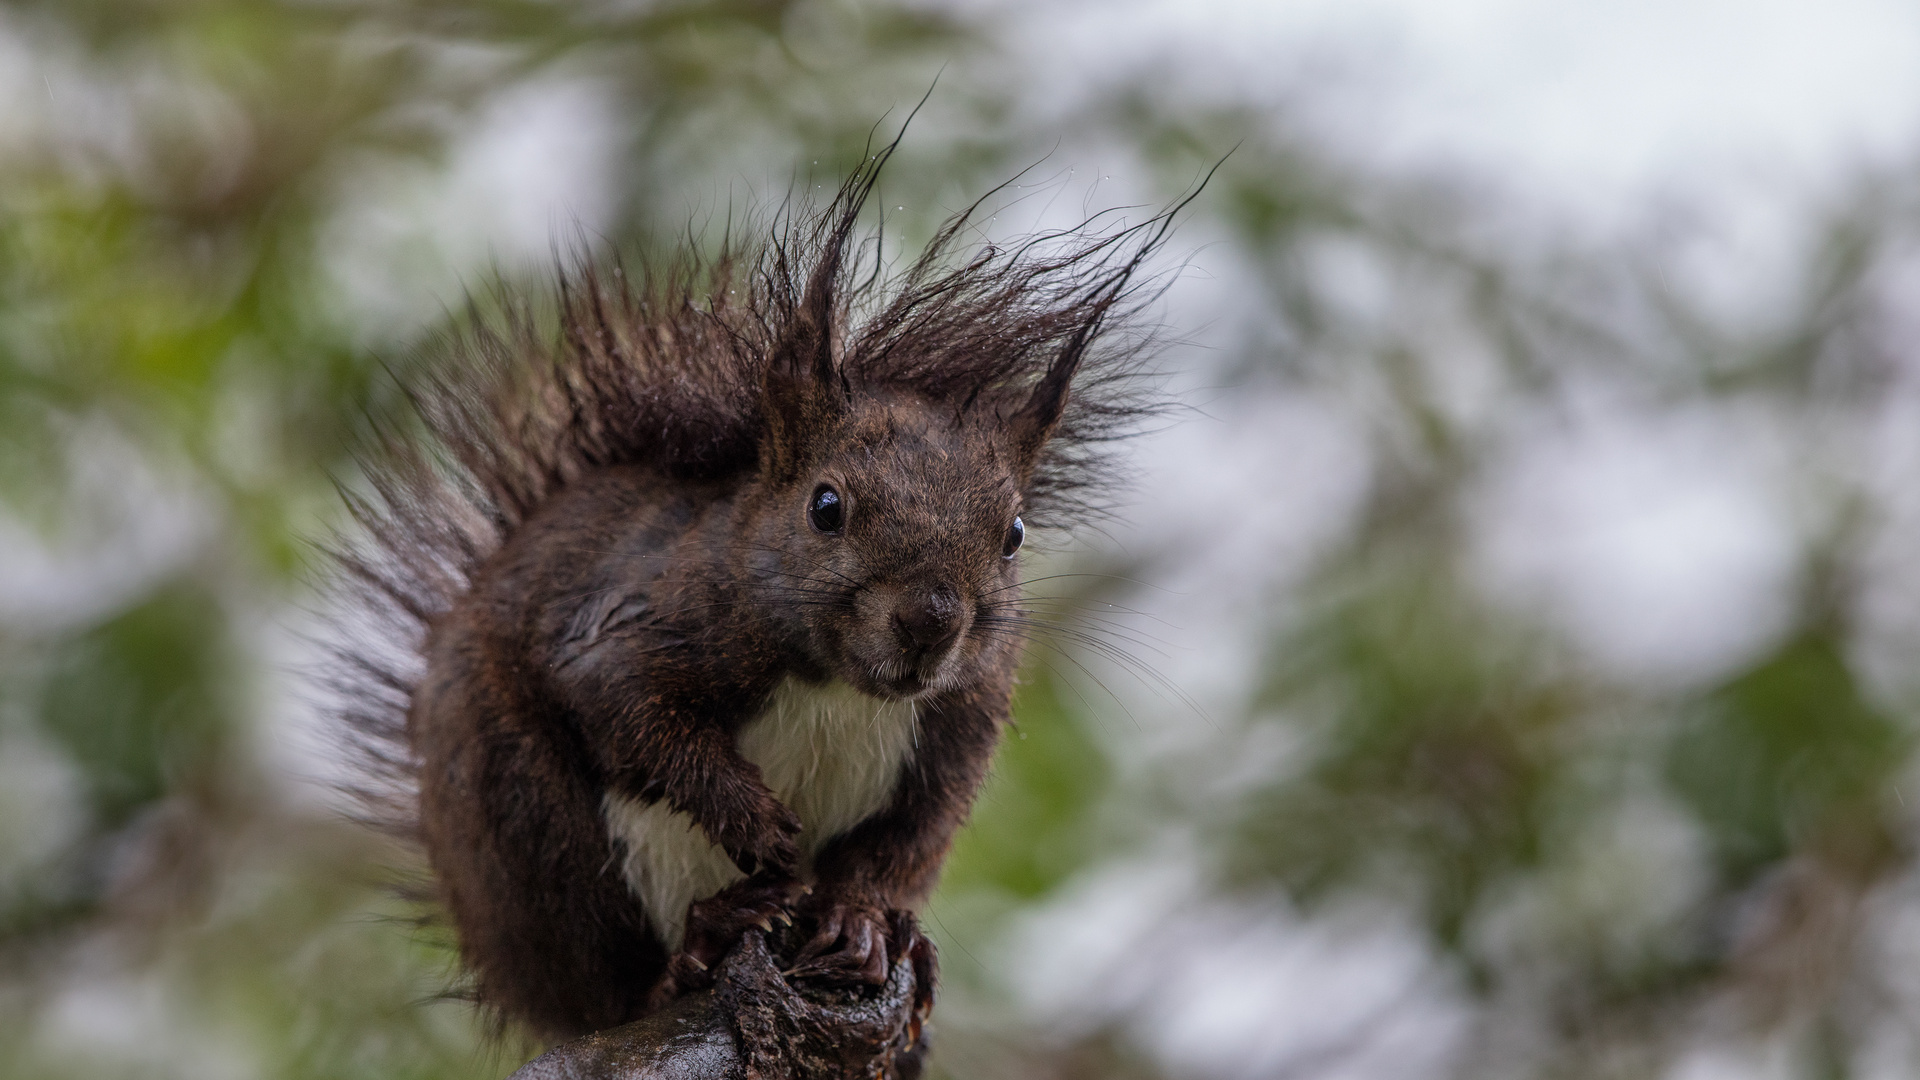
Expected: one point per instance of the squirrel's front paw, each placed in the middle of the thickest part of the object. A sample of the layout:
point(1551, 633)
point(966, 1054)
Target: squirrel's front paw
point(762, 837)
point(716, 923)
point(850, 943)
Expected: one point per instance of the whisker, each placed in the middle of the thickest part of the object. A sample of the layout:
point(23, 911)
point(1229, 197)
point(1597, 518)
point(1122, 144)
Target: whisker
point(1061, 678)
point(1114, 627)
point(1087, 574)
point(1029, 628)
point(1118, 634)
point(1084, 670)
point(1081, 603)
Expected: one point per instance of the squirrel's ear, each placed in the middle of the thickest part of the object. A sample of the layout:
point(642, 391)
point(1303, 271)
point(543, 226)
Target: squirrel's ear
point(1037, 418)
point(803, 387)
point(804, 353)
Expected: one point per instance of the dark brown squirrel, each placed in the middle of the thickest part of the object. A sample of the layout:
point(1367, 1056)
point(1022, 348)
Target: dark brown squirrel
point(705, 611)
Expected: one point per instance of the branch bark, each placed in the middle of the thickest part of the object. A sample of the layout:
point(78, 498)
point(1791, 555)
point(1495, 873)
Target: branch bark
point(755, 1024)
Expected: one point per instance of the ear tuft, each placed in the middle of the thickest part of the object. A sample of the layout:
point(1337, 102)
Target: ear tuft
point(804, 386)
point(1037, 419)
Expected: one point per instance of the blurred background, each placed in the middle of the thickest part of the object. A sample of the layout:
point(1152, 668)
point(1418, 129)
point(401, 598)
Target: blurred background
point(1502, 666)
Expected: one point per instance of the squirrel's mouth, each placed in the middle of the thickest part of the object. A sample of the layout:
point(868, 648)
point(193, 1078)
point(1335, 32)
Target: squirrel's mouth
point(903, 678)
point(903, 643)
point(901, 686)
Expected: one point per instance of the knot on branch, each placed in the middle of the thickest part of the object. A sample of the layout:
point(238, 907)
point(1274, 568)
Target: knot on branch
point(757, 1024)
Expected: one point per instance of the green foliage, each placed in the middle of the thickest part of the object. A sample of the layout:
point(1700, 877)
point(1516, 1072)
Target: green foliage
point(1790, 756)
point(1439, 746)
point(143, 702)
point(1034, 825)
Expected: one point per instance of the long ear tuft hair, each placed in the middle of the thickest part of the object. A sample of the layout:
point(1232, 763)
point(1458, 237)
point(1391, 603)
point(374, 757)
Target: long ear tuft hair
point(802, 301)
point(704, 369)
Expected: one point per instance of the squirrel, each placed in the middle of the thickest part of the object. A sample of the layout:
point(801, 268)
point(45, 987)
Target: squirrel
point(704, 611)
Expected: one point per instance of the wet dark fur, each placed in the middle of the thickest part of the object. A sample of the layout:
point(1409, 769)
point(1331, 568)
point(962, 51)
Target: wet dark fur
point(594, 565)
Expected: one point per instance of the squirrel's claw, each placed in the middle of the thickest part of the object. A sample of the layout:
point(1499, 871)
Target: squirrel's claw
point(714, 924)
point(926, 965)
point(826, 933)
point(849, 944)
point(685, 972)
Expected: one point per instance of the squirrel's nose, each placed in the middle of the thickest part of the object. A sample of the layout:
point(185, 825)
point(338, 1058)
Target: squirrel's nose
point(927, 622)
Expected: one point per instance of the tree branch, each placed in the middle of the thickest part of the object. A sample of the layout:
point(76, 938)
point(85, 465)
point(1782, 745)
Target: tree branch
point(756, 1025)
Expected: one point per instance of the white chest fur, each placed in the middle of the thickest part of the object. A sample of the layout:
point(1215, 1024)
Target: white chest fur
point(831, 753)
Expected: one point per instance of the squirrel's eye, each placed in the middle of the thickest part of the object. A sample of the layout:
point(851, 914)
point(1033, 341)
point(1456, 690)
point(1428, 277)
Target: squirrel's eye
point(1015, 536)
point(825, 511)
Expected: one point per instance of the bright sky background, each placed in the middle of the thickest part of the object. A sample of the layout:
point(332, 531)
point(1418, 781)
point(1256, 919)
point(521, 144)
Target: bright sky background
point(1643, 534)
point(1589, 99)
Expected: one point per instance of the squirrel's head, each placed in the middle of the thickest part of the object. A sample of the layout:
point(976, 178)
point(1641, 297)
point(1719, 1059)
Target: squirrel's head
point(899, 534)
point(892, 516)
point(901, 455)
